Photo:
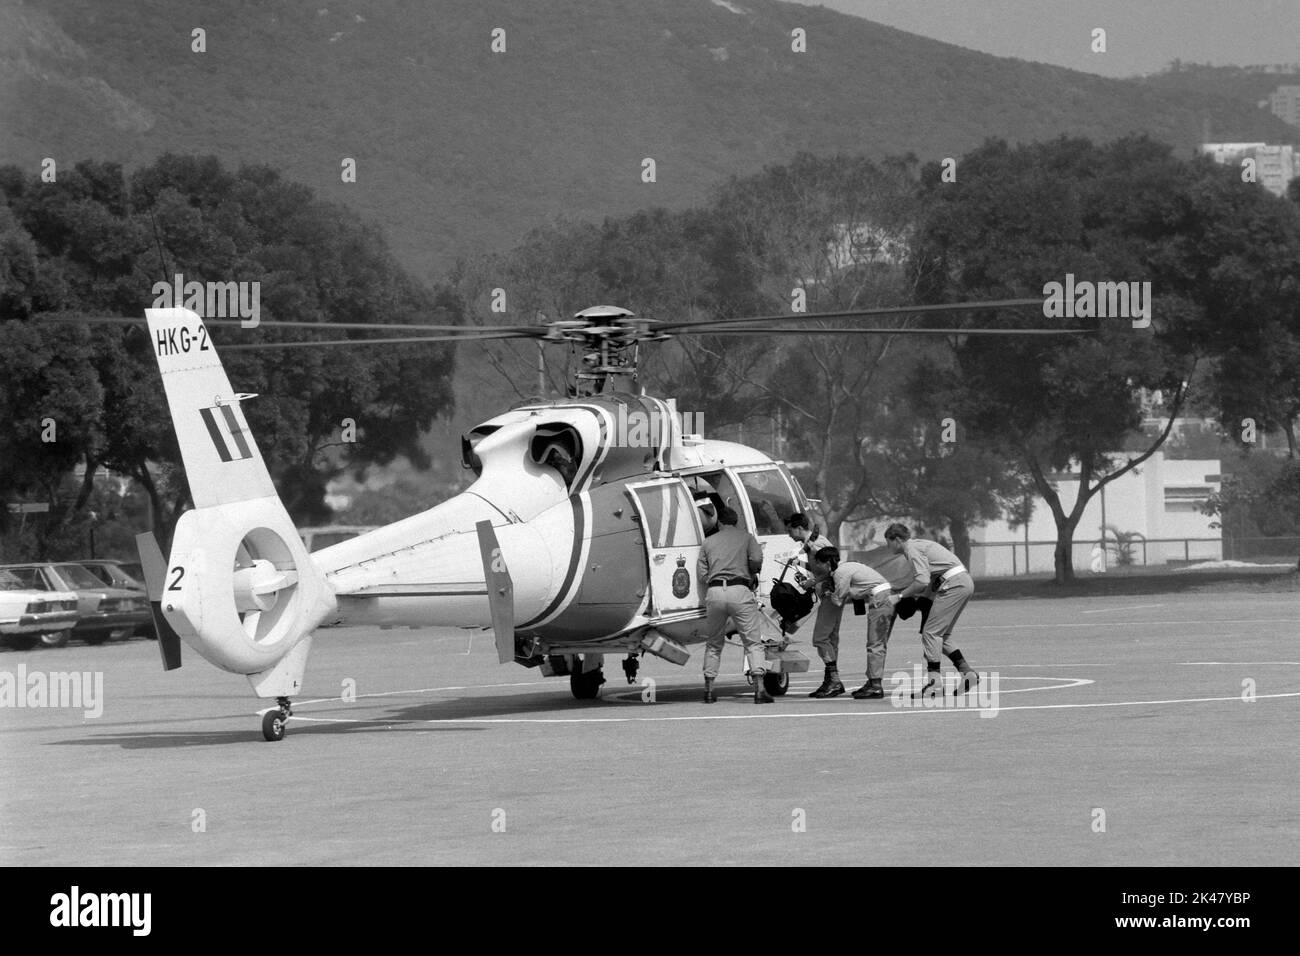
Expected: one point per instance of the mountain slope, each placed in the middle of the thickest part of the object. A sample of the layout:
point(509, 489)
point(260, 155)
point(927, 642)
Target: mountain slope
point(460, 150)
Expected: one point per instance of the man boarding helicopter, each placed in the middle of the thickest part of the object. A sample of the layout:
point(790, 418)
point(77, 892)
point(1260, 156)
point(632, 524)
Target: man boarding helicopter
point(585, 541)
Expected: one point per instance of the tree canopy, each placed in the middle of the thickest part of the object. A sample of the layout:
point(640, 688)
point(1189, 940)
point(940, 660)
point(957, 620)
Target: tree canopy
point(96, 241)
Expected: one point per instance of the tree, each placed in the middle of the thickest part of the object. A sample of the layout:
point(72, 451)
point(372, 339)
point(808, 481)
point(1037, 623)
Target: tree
point(1017, 219)
point(96, 243)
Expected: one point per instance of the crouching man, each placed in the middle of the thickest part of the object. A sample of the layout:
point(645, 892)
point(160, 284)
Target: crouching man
point(851, 581)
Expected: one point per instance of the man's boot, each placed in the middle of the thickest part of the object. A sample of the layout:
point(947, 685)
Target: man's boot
point(761, 696)
point(831, 686)
point(709, 696)
point(873, 689)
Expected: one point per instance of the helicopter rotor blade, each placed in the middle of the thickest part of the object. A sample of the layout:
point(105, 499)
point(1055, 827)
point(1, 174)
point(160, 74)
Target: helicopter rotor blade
point(821, 330)
point(852, 314)
point(315, 326)
point(248, 347)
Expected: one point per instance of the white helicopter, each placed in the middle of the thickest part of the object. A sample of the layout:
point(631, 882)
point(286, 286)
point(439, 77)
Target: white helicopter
point(578, 538)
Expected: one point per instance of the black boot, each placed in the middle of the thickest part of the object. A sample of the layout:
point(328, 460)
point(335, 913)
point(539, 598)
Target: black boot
point(709, 696)
point(871, 690)
point(831, 686)
point(761, 696)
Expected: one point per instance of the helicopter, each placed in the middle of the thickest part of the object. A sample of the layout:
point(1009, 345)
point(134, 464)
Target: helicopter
point(577, 539)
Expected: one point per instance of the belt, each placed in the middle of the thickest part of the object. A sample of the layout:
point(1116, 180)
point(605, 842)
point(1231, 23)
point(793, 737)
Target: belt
point(727, 582)
point(955, 569)
point(881, 588)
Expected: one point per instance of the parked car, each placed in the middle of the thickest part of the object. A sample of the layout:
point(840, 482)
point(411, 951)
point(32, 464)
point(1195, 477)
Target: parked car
point(26, 614)
point(113, 573)
point(102, 612)
point(119, 574)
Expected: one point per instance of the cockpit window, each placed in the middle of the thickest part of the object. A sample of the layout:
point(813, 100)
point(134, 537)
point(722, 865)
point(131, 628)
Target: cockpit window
point(770, 498)
point(718, 487)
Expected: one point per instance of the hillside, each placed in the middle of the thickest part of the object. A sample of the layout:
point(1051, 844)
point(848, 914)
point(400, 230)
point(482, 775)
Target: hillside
point(461, 151)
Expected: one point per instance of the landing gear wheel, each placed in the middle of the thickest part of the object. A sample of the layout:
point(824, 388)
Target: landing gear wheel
point(586, 684)
point(273, 725)
point(776, 684)
point(274, 721)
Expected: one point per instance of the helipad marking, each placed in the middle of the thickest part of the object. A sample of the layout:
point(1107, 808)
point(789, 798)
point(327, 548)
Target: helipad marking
point(632, 695)
point(1126, 607)
point(874, 712)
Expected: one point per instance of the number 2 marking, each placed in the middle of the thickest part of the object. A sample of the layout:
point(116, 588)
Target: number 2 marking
point(176, 582)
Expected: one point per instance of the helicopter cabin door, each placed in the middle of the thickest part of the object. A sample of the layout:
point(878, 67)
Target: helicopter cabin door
point(671, 532)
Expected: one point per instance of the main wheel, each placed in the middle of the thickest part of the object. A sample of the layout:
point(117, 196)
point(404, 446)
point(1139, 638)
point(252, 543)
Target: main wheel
point(586, 684)
point(55, 638)
point(273, 725)
point(776, 684)
point(22, 642)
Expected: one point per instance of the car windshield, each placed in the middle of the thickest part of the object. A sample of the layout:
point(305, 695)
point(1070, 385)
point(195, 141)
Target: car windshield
point(8, 582)
point(79, 577)
point(98, 570)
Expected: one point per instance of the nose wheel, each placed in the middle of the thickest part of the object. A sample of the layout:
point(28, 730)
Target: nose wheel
point(274, 721)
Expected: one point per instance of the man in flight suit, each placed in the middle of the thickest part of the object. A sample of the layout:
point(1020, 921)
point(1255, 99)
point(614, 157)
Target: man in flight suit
point(729, 565)
point(851, 581)
point(826, 630)
point(938, 573)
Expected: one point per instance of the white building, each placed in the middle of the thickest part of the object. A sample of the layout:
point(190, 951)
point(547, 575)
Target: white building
point(1285, 104)
point(1275, 166)
point(1156, 507)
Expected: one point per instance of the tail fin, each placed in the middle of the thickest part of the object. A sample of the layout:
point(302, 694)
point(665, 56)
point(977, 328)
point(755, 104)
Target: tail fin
point(221, 459)
point(241, 588)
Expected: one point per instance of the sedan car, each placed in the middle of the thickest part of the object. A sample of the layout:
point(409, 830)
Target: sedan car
point(102, 612)
point(26, 614)
point(113, 573)
point(122, 574)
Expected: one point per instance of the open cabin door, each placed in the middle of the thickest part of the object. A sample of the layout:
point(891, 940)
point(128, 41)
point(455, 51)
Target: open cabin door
point(671, 532)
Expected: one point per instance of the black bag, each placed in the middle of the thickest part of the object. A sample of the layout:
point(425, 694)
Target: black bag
point(789, 602)
point(910, 605)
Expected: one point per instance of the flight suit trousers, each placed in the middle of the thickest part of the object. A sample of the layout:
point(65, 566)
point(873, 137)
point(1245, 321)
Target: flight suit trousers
point(949, 601)
point(741, 605)
point(880, 624)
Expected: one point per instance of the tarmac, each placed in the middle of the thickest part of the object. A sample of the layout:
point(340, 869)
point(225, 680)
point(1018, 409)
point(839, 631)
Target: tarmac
point(1145, 730)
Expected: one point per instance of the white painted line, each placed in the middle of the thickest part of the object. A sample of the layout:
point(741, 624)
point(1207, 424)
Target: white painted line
point(870, 712)
point(1230, 663)
point(1126, 607)
point(1201, 621)
point(998, 667)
